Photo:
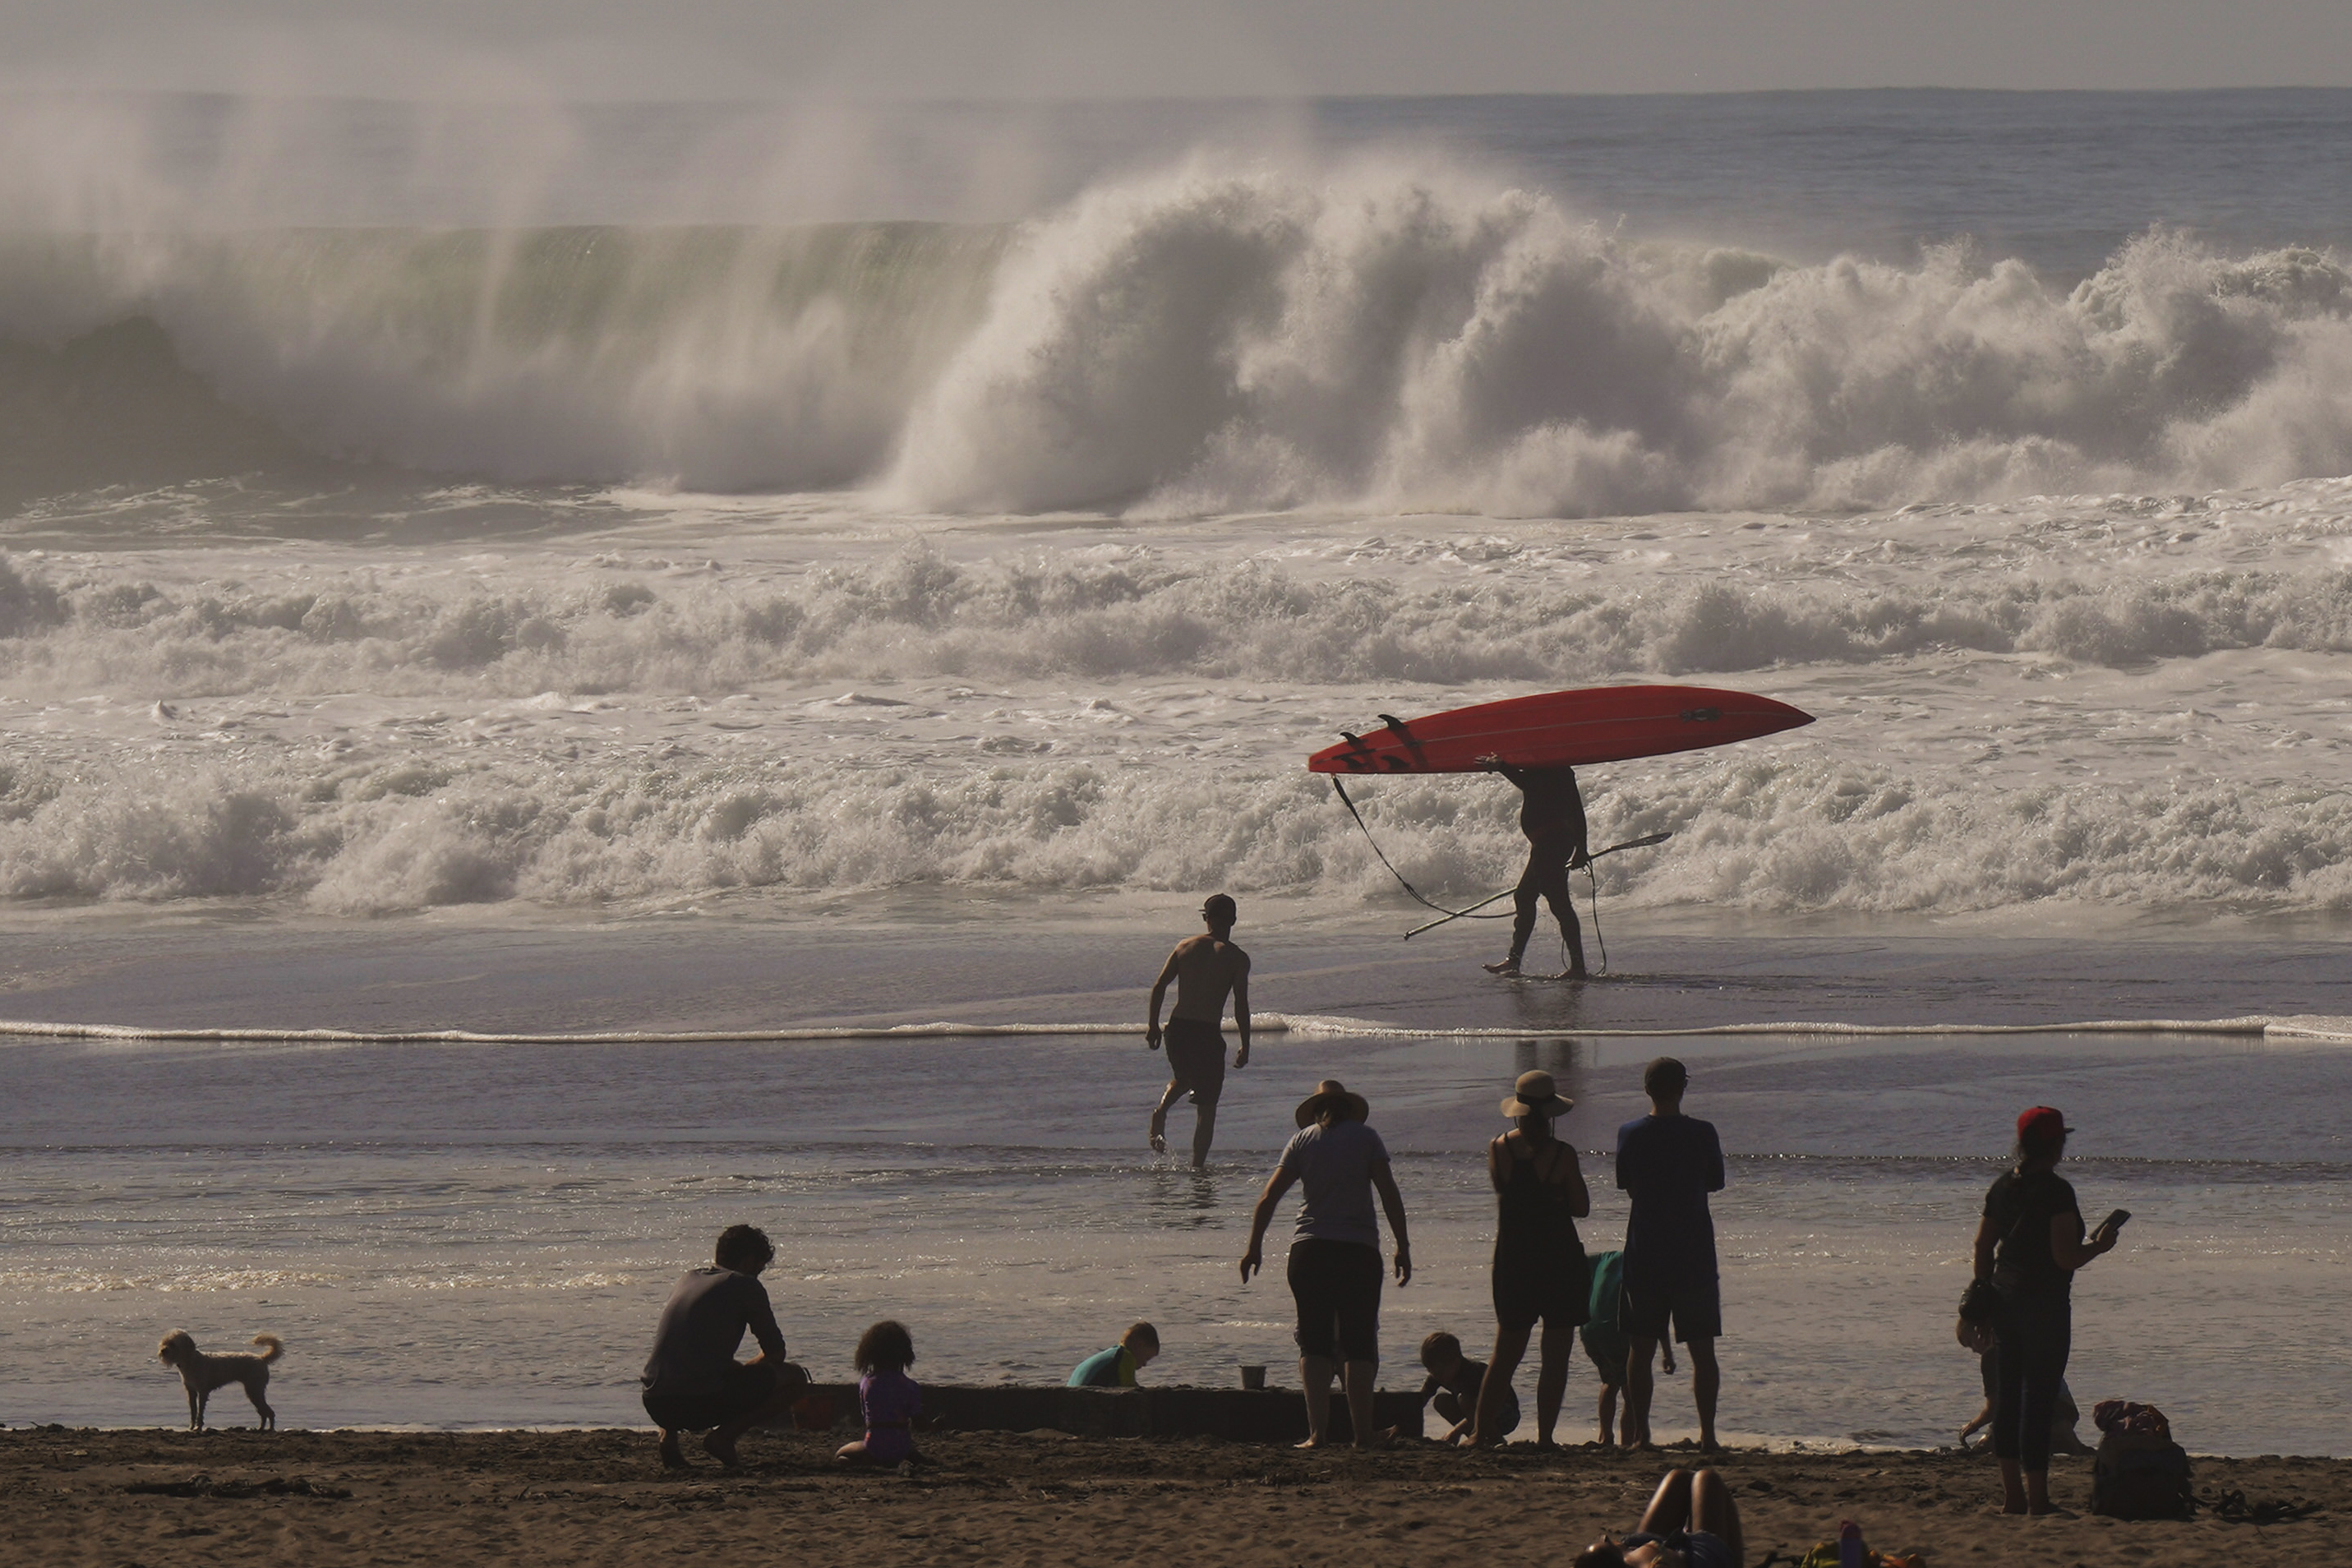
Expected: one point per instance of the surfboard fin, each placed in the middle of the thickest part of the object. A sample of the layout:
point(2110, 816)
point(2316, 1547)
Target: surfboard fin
point(1402, 732)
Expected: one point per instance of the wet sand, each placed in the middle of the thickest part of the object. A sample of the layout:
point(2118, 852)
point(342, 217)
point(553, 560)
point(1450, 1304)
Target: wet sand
point(154, 1498)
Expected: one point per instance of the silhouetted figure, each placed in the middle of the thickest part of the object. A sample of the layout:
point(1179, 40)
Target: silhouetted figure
point(1538, 1257)
point(1551, 814)
point(1207, 969)
point(2029, 1244)
point(1667, 1163)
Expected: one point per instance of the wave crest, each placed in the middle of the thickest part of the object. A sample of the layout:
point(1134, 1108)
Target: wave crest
point(1382, 334)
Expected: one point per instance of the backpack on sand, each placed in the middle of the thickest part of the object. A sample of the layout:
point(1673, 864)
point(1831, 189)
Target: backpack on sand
point(2141, 1475)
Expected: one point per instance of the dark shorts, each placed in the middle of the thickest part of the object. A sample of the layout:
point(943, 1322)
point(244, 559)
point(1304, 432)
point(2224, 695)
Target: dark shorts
point(1696, 1311)
point(1196, 1057)
point(1547, 1288)
point(1336, 1285)
point(745, 1389)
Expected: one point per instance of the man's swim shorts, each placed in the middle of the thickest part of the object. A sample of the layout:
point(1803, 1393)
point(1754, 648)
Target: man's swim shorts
point(1196, 1057)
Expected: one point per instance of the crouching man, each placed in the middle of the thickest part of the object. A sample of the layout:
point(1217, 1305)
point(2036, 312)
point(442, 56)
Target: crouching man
point(692, 1381)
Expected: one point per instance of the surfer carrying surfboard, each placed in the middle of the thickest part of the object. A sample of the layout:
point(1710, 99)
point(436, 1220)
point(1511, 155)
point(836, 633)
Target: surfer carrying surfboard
point(1551, 814)
point(1205, 968)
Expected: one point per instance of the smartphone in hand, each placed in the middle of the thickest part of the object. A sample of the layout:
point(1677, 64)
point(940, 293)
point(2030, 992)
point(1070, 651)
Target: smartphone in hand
point(2114, 1221)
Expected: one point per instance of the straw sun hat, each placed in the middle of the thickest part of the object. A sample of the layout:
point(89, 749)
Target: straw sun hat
point(1352, 1107)
point(1535, 1092)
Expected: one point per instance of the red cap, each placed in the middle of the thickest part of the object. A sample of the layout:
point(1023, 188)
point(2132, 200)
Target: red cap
point(2040, 1125)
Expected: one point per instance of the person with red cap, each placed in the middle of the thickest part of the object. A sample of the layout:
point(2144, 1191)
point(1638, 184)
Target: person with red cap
point(2029, 1244)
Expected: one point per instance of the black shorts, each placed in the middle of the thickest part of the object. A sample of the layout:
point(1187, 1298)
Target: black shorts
point(1696, 1311)
point(745, 1388)
point(1547, 1287)
point(1336, 1285)
point(1196, 1057)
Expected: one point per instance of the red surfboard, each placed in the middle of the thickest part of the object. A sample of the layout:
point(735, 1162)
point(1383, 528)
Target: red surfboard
point(1560, 729)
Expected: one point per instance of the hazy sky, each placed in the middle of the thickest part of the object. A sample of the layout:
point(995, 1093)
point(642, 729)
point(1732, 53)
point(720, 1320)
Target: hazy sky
point(1055, 48)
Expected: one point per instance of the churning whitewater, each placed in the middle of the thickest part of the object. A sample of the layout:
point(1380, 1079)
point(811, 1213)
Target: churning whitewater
point(1206, 341)
point(381, 565)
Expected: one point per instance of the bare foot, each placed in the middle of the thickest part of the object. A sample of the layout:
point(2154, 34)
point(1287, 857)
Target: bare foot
point(1310, 1442)
point(722, 1451)
point(1159, 1132)
point(1508, 966)
point(1710, 1446)
point(673, 1457)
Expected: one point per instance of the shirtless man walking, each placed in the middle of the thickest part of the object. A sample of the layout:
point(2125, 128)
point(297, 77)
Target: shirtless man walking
point(1205, 969)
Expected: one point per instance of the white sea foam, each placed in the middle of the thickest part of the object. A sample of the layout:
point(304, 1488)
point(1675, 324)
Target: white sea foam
point(2100, 699)
point(2088, 654)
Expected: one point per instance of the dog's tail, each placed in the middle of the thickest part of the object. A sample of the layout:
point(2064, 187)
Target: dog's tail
point(276, 1347)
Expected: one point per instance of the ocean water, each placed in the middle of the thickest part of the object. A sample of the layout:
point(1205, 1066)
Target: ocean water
point(741, 570)
point(455, 1236)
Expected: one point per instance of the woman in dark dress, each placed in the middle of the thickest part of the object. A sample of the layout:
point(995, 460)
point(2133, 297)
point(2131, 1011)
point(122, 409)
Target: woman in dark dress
point(2029, 1244)
point(1539, 1259)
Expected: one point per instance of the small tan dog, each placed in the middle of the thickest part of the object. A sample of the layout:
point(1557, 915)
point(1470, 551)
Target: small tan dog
point(201, 1374)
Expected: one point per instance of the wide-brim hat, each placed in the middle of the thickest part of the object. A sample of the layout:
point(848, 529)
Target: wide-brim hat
point(1535, 1094)
point(1310, 1110)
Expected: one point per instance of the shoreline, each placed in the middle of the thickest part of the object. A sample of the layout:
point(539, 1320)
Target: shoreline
point(2295, 1026)
point(595, 1496)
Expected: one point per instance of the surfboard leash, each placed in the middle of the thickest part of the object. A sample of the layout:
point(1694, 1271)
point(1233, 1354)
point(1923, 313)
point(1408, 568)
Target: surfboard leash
point(1450, 914)
point(1598, 941)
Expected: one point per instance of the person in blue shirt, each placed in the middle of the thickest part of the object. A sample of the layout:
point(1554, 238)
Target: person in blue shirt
point(1667, 1163)
point(1117, 1367)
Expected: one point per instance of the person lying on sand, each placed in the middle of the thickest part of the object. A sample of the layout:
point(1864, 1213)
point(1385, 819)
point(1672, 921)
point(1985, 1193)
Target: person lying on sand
point(1692, 1521)
point(692, 1380)
point(1207, 969)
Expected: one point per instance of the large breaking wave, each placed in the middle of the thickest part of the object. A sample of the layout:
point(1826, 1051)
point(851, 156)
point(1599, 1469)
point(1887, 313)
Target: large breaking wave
point(1210, 340)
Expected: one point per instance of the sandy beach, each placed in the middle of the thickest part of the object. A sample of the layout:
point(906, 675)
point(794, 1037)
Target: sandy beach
point(117, 1497)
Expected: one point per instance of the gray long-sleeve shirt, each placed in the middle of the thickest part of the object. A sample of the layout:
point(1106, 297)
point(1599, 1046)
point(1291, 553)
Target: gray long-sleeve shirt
point(701, 1328)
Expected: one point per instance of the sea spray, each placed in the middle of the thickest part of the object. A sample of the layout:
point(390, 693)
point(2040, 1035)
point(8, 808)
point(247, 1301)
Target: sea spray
point(1387, 334)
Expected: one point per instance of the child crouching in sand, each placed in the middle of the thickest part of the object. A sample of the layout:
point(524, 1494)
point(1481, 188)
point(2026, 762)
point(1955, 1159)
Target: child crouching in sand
point(886, 1396)
point(1452, 1389)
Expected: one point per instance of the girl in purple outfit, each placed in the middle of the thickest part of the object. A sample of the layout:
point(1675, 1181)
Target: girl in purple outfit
point(889, 1398)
